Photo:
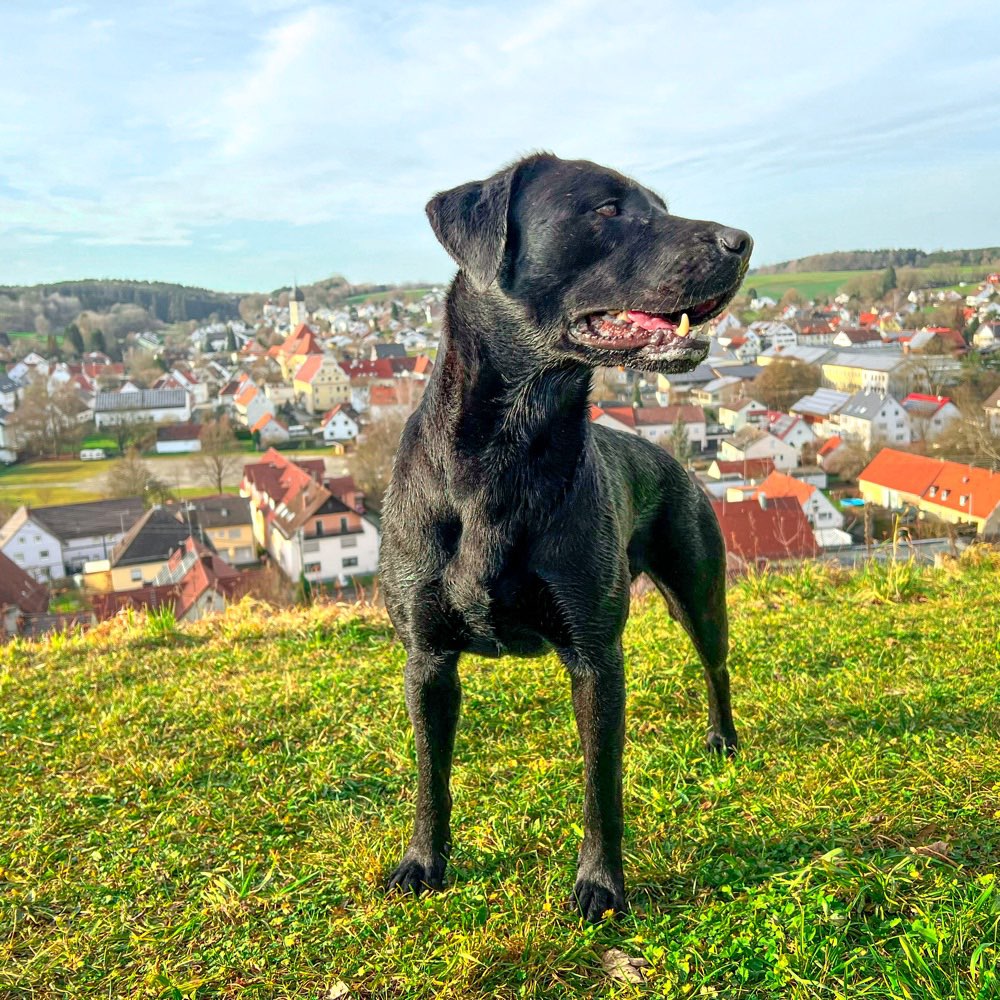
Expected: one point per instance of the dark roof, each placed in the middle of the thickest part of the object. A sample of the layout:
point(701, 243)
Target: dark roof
point(144, 399)
point(389, 351)
point(21, 589)
point(153, 537)
point(96, 517)
point(219, 511)
point(179, 432)
point(7, 384)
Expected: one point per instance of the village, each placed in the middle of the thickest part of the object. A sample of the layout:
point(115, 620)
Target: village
point(820, 430)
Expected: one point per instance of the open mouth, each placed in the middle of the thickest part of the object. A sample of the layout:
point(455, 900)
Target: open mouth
point(657, 333)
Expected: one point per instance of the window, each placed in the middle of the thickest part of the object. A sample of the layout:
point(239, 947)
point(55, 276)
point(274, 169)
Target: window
point(343, 524)
point(933, 491)
point(319, 529)
point(44, 554)
point(349, 542)
point(352, 561)
point(137, 576)
point(945, 494)
point(313, 567)
point(234, 532)
point(962, 500)
point(310, 546)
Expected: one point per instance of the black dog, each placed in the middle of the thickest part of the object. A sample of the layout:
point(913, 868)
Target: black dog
point(515, 525)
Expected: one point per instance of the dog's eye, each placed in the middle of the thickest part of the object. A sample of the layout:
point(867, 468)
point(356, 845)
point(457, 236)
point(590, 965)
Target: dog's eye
point(608, 210)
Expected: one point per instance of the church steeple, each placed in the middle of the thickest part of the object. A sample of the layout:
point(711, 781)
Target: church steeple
point(297, 307)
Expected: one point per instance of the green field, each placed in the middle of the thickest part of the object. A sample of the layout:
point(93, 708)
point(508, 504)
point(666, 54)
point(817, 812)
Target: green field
point(209, 811)
point(43, 483)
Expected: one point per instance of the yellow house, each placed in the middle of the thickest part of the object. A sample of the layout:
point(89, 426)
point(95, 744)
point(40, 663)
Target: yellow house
point(140, 555)
point(224, 521)
point(320, 383)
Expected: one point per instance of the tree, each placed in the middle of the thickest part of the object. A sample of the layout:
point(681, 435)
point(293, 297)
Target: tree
point(372, 465)
point(217, 461)
point(133, 433)
point(131, 477)
point(783, 383)
point(74, 336)
point(850, 458)
point(678, 443)
point(97, 342)
point(46, 421)
point(792, 297)
point(888, 280)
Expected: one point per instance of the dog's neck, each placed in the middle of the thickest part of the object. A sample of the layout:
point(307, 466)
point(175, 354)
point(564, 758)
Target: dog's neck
point(507, 411)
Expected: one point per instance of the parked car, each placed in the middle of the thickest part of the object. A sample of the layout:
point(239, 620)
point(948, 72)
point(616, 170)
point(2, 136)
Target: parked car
point(92, 454)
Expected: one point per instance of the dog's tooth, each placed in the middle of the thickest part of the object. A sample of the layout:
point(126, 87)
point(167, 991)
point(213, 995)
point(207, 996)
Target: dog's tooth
point(684, 327)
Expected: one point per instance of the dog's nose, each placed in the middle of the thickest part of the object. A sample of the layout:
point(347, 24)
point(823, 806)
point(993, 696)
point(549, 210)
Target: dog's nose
point(735, 241)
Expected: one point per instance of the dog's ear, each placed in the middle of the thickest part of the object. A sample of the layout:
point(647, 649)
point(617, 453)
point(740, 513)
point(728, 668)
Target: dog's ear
point(470, 222)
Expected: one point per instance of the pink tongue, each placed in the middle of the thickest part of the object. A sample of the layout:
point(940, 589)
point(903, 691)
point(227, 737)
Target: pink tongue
point(648, 322)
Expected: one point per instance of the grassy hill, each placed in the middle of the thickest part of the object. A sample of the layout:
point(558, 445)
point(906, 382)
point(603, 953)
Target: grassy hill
point(209, 811)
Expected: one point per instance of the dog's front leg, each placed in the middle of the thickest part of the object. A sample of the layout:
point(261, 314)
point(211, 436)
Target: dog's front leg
point(433, 695)
point(599, 704)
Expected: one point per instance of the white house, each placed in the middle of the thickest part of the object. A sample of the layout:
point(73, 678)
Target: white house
point(816, 506)
point(339, 425)
point(874, 418)
point(654, 423)
point(741, 412)
point(155, 405)
point(8, 446)
point(752, 442)
point(51, 542)
point(929, 415)
point(791, 429)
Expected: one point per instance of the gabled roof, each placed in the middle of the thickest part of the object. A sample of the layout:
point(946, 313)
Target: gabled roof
point(81, 520)
point(20, 589)
point(924, 405)
point(390, 351)
point(993, 400)
point(218, 510)
point(309, 368)
point(829, 446)
point(151, 539)
point(650, 416)
point(779, 485)
point(900, 471)
point(334, 410)
point(776, 529)
point(821, 403)
point(865, 405)
point(747, 468)
point(179, 432)
point(782, 424)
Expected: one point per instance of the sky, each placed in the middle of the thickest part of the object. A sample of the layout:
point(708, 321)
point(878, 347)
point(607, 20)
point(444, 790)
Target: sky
point(243, 145)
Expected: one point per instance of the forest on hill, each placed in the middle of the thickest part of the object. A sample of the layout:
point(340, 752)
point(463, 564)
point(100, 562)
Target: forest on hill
point(874, 260)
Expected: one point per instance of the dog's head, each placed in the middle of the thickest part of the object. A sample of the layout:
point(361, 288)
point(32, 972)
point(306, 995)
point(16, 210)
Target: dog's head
point(598, 268)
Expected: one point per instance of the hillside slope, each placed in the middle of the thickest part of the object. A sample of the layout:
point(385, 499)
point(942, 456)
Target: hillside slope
point(209, 811)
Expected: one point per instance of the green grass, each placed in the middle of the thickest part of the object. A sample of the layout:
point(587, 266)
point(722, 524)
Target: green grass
point(208, 811)
point(42, 483)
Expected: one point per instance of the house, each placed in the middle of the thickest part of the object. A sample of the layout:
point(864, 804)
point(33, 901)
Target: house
point(815, 504)
point(828, 449)
point(991, 407)
point(749, 471)
point(866, 371)
point(339, 423)
point(718, 391)
point(320, 383)
point(312, 525)
point(52, 542)
point(10, 392)
point(740, 412)
point(225, 522)
point(290, 354)
point(194, 582)
point(8, 443)
point(676, 387)
point(654, 423)
point(181, 378)
point(270, 430)
point(20, 594)
point(987, 336)
point(872, 418)
point(154, 405)
point(178, 439)
point(950, 491)
point(381, 351)
point(820, 408)
point(791, 429)
point(804, 355)
point(863, 337)
point(929, 415)
point(760, 531)
point(140, 555)
point(752, 442)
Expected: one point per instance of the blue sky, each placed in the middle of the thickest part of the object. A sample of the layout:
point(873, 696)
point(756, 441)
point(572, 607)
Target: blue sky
point(239, 145)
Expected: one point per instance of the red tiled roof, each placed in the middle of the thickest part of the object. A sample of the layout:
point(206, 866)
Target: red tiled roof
point(264, 421)
point(900, 471)
point(829, 446)
point(309, 368)
point(383, 395)
point(21, 589)
point(755, 533)
point(650, 416)
point(779, 485)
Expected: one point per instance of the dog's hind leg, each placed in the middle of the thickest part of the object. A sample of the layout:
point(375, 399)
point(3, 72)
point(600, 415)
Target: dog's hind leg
point(433, 695)
point(598, 684)
point(686, 559)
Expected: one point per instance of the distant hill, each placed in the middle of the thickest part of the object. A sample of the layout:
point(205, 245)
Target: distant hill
point(874, 260)
point(167, 302)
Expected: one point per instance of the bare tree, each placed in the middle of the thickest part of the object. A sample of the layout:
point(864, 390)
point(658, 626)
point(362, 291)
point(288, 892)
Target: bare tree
point(783, 383)
point(218, 460)
point(45, 423)
point(133, 433)
point(372, 465)
point(131, 477)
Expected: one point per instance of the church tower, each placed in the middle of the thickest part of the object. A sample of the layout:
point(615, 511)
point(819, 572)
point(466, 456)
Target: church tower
point(297, 307)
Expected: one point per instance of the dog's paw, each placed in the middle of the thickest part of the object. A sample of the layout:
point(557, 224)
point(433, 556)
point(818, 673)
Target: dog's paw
point(599, 896)
point(717, 743)
point(416, 876)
